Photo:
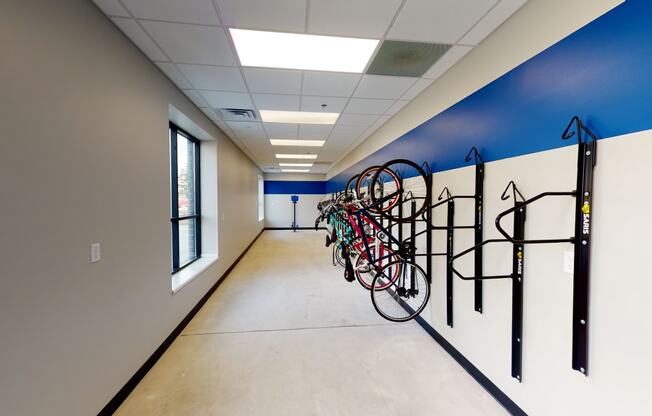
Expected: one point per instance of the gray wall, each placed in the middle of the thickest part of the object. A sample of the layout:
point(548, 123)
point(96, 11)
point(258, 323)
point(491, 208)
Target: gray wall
point(84, 158)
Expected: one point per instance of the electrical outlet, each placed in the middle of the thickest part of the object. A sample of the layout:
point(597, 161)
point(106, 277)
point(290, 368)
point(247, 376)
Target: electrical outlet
point(95, 252)
point(569, 261)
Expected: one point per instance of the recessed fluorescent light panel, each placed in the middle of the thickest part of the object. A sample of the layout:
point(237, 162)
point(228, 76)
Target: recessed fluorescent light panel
point(295, 170)
point(307, 143)
point(297, 165)
point(298, 117)
point(299, 51)
point(294, 156)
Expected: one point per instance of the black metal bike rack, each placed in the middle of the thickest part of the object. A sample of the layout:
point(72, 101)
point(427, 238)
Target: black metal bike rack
point(586, 160)
point(450, 227)
point(517, 275)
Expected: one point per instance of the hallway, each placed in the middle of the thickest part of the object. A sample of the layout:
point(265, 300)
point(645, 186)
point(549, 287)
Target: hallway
point(285, 334)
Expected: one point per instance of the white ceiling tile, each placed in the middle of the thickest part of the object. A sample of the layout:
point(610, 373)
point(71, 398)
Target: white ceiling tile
point(441, 21)
point(360, 18)
point(281, 15)
point(491, 21)
point(333, 104)
point(357, 120)
point(368, 106)
point(282, 131)
point(320, 167)
point(140, 38)
point(186, 11)
point(381, 120)
point(347, 131)
point(377, 86)
point(248, 131)
point(210, 113)
point(260, 151)
point(222, 99)
point(416, 89)
point(196, 98)
point(450, 58)
point(111, 8)
point(276, 102)
point(396, 107)
point(273, 81)
point(220, 78)
point(174, 74)
point(329, 84)
point(192, 44)
point(314, 131)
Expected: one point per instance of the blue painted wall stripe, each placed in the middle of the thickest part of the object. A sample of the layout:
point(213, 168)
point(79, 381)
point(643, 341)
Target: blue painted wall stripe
point(602, 73)
point(295, 187)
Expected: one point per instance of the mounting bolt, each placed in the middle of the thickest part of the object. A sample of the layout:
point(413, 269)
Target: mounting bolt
point(518, 377)
point(582, 369)
point(588, 152)
point(518, 340)
point(586, 194)
point(582, 321)
point(519, 279)
point(584, 242)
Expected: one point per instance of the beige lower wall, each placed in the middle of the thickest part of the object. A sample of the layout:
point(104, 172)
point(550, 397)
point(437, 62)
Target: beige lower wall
point(619, 335)
point(84, 158)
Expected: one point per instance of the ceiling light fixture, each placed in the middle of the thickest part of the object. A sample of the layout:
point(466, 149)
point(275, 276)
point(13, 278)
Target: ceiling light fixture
point(306, 143)
point(295, 156)
point(299, 165)
point(298, 117)
point(295, 170)
point(300, 51)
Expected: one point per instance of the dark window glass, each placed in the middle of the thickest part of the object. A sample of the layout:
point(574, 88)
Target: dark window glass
point(185, 203)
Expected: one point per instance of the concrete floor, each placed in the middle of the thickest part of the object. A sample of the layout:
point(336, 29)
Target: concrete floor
point(285, 334)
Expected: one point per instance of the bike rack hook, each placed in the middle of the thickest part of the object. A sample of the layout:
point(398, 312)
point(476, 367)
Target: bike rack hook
point(515, 192)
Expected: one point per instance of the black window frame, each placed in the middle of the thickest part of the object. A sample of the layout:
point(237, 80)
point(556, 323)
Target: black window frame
point(174, 197)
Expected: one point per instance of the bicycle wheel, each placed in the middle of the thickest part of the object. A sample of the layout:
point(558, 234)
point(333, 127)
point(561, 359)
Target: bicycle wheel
point(400, 299)
point(338, 255)
point(405, 182)
point(365, 271)
point(350, 186)
point(389, 184)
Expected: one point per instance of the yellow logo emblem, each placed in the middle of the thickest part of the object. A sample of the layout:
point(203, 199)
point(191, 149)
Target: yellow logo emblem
point(586, 208)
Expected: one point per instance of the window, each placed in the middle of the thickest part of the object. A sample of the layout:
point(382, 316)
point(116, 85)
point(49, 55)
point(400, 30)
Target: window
point(261, 198)
point(185, 202)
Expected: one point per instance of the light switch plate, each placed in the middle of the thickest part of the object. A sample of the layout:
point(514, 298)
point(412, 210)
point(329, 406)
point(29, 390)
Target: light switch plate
point(95, 252)
point(569, 261)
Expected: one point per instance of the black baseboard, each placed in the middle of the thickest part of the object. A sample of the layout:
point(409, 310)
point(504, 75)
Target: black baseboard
point(290, 228)
point(491, 388)
point(124, 392)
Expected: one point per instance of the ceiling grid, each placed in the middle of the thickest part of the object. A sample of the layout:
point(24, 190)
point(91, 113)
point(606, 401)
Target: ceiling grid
point(191, 42)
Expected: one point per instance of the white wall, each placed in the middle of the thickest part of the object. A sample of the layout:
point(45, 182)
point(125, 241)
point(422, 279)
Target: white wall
point(84, 158)
point(620, 335)
point(532, 29)
point(279, 209)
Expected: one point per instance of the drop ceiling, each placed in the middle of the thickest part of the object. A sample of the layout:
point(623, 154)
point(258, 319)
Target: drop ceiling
point(189, 40)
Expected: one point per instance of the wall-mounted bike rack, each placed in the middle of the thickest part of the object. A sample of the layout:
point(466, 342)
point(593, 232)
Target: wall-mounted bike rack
point(450, 227)
point(517, 276)
point(587, 146)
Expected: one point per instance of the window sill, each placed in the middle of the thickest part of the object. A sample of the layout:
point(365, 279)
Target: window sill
point(181, 278)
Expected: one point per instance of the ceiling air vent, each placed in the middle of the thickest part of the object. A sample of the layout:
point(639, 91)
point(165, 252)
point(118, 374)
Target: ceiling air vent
point(405, 59)
point(237, 114)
